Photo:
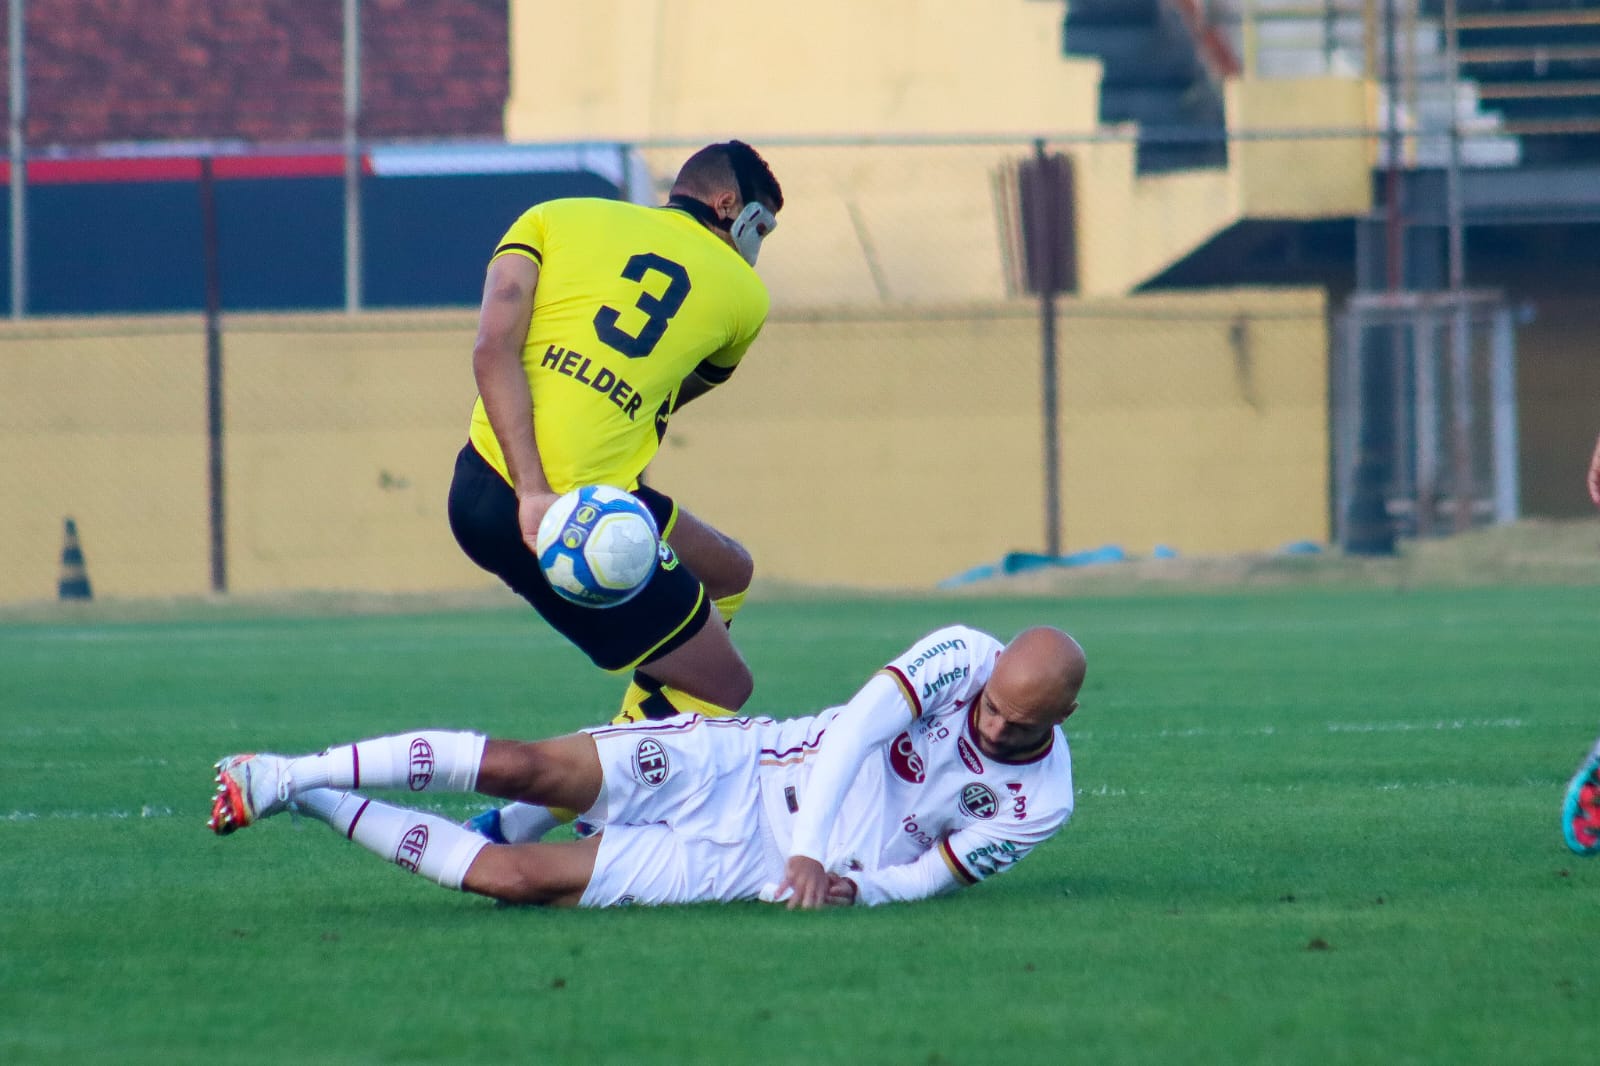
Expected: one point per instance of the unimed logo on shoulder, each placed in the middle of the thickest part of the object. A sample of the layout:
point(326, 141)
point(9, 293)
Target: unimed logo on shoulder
point(409, 854)
point(650, 762)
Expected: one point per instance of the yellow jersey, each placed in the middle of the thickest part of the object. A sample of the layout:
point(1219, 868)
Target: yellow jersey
point(630, 301)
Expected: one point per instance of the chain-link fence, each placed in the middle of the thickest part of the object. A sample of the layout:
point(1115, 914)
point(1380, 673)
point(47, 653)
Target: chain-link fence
point(1425, 400)
point(894, 425)
point(980, 345)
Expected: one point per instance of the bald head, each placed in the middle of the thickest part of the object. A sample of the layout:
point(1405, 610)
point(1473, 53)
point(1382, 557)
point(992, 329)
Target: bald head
point(1033, 688)
point(1040, 673)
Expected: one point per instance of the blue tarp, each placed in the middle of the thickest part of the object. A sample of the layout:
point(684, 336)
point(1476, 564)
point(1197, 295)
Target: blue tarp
point(1023, 562)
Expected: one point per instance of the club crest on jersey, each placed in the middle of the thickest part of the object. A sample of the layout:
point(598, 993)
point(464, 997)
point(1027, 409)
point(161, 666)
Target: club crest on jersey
point(969, 757)
point(669, 560)
point(408, 855)
point(421, 765)
point(650, 762)
point(979, 801)
point(905, 761)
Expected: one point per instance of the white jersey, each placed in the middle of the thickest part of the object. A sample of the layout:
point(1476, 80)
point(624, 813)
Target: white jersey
point(929, 796)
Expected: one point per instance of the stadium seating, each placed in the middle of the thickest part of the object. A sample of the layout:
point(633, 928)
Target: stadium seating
point(1155, 75)
point(1537, 63)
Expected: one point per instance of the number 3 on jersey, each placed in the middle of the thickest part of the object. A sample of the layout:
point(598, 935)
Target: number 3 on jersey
point(658, 309)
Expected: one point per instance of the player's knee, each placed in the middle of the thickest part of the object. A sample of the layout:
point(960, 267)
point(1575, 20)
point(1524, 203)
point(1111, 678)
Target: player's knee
point(738, 685)
point(526, 770)
point(730, 573)
point(551, 777)
point(741, 568)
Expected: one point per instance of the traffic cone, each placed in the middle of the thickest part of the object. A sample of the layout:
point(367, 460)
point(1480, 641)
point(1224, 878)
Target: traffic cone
point(74, 575)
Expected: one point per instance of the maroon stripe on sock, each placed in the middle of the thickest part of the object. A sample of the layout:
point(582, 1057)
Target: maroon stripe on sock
point(355, 766)
point(350, 834)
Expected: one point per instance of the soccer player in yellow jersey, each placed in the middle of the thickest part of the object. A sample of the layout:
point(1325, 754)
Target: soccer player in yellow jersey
point(600, 319)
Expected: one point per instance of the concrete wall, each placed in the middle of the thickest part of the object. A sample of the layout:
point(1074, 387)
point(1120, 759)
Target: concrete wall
point(886, 449)
point(904, 449)
point(620, 69)
point(886, 224)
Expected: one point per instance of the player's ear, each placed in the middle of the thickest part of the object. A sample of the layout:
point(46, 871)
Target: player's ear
point(726, 205)
point(1070, 710)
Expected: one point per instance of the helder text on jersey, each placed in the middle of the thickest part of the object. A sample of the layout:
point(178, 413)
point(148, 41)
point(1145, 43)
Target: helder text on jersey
point(576, 366)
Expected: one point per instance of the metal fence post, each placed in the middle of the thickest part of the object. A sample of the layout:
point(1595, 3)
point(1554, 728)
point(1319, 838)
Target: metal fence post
point(17, 44)
point(352, 155)
point(1503, 416)
point(216, 483)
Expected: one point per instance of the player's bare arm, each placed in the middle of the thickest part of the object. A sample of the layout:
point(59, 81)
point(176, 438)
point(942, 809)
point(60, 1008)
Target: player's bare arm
point(503, 320)
point(1594, 474)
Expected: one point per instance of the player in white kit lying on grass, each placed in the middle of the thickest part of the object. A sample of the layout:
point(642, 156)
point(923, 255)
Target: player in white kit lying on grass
point(948, 766)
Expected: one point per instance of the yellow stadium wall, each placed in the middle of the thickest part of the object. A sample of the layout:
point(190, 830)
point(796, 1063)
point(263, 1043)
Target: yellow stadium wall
point(899, 450)
point(619, 69)
point(104, 421)
point(874, 450)
point(876, 225)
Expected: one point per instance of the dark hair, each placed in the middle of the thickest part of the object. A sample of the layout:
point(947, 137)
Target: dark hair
point(712, 167)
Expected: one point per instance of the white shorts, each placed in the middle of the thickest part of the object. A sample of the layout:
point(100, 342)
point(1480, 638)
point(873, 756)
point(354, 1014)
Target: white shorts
point(682, 814)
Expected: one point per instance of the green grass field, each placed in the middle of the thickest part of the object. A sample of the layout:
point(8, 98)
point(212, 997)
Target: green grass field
point(1313, 826)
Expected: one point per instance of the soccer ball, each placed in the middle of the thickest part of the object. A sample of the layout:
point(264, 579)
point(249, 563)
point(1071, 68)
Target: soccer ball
point(597, 546)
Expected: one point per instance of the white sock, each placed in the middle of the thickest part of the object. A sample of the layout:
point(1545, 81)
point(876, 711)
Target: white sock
point(328, 806)
point(426, 761)
point(425, 844)
point(524, 823)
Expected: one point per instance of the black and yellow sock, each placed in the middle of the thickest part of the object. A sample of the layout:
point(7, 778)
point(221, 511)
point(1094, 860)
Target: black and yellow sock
point(648, 699)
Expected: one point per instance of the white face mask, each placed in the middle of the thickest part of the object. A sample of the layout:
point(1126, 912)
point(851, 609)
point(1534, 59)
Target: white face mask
point(751, 228)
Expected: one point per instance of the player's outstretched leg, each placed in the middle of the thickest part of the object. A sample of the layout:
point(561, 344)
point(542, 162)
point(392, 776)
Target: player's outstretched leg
point(421, 843)
point(550, 773)
point(453, 856)
point(1580, 811)
point(252, 787)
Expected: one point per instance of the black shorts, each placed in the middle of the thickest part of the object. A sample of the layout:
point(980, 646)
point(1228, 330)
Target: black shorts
point(669, 610)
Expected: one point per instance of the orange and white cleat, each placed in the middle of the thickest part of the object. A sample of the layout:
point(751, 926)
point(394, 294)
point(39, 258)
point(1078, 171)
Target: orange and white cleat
point(249, 788)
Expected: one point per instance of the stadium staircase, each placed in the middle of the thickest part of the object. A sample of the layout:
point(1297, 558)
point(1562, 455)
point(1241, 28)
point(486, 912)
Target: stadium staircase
point(1522, 72)
point(1288, 38)
point(1159, 73)
point(1516, 87)
point(1537, 65)
point(1525, 88)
